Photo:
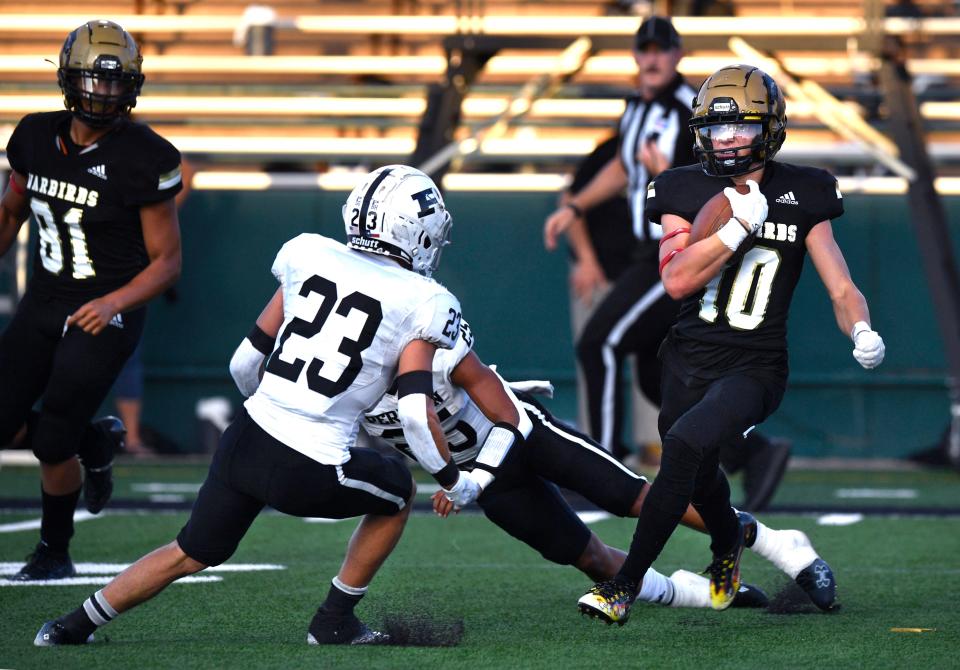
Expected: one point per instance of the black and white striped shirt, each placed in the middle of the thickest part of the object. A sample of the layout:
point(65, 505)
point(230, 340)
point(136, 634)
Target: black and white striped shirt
point(664, 119)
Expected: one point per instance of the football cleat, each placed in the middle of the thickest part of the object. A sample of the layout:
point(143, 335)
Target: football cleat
point(608, 601)
point(45, 564)
point(693, 590)
point(97, 458)
point(53, 634)
point(750, 596)
point(325, 629)
point(724, 574)
point(749, 524)
point(819, 584)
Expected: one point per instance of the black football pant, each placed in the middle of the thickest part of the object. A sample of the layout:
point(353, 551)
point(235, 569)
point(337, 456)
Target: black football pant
point(696, 419)
point(525, 501)
point(633, 319)
point(71, 370)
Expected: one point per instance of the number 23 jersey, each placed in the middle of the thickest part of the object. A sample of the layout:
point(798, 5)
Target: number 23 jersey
point(347, 316)
point(86, 201)
point(746, 305)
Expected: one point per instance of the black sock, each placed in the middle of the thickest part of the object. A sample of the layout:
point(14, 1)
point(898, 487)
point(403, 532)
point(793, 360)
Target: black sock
point(56, 527)
point(341, 601)
point(664, 506)
point(94, 612)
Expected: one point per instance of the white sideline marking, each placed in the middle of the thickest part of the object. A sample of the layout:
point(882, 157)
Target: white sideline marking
point(167, 498)
point(593, 517)
point(96, 581)
point(839, 519)
point(114, 568)
point(18, 457)
point(165, 487)
point(899, 494)
point(34, 524)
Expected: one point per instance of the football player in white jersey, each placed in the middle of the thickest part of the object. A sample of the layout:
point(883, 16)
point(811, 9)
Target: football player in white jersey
point(520, 490)
point(347, 320)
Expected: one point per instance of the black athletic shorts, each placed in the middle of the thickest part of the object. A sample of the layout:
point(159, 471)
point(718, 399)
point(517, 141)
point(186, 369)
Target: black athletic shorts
point(72, 371)
point(251, 469)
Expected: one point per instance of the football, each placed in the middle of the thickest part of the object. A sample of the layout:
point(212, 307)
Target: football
point(713, 215)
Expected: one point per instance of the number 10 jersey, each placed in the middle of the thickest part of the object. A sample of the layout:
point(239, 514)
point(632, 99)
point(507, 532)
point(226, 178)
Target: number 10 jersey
point(347, 316)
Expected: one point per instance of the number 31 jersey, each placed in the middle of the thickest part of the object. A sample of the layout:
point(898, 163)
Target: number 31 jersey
point(347, 316)
point(745, 306)
point(86, 201)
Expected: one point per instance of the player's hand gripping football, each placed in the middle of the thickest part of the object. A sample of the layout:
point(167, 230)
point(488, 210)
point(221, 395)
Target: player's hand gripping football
point(749, 208)
point(93, 317)
point(868, 346)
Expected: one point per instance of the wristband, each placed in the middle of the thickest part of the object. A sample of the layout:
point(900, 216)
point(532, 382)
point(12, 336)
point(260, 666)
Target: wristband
point(261, 341)
point(447, 476)
point(732, 234)
point(859, 327)
point(576, 209)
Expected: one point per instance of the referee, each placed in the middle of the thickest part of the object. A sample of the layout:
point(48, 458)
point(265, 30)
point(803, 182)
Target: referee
point(636, 313)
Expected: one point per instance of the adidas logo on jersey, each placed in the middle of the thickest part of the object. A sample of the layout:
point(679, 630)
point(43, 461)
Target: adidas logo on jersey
point(98, 171)
point(788, 199)
point(117, 321)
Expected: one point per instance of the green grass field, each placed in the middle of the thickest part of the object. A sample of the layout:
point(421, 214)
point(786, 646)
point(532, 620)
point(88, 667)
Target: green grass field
point(518, 611)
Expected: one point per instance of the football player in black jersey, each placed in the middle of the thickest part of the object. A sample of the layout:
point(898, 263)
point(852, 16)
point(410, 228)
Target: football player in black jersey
point(101, 189)
point(725, 361)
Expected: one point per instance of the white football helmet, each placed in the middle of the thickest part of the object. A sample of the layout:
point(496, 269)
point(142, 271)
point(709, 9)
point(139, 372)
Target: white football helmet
point(397, 211)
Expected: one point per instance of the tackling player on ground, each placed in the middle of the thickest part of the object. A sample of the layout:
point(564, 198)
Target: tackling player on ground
point(520, 492)
point(350, 320)
point(725, 361)
point(101, 189)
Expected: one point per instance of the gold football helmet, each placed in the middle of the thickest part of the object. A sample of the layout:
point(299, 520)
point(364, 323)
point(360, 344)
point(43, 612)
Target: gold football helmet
point(742, 103)
point(99, 72)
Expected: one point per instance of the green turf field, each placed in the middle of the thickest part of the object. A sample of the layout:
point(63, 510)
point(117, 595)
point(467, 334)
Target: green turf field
point(518, 611)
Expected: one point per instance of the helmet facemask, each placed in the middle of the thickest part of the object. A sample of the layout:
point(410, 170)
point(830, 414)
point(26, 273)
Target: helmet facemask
point(738, 121)
point(99, 73)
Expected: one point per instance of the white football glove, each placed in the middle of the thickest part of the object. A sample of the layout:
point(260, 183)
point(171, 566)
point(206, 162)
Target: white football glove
point(465, 491)
point(748, 207)
point(868, 346)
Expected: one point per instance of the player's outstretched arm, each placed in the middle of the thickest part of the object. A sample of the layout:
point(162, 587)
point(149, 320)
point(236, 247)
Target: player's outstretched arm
point(849, 305)
point(492, 395)
point(13, 210)
point(421, 425)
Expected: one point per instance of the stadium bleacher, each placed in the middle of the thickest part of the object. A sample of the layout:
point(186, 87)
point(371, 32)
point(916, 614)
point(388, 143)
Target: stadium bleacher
point(349, 84)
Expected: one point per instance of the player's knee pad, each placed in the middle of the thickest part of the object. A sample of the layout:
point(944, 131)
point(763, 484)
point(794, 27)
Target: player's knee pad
point(55, 438)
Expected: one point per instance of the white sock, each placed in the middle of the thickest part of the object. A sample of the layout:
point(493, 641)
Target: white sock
point(789, 550)
point(656, 588)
